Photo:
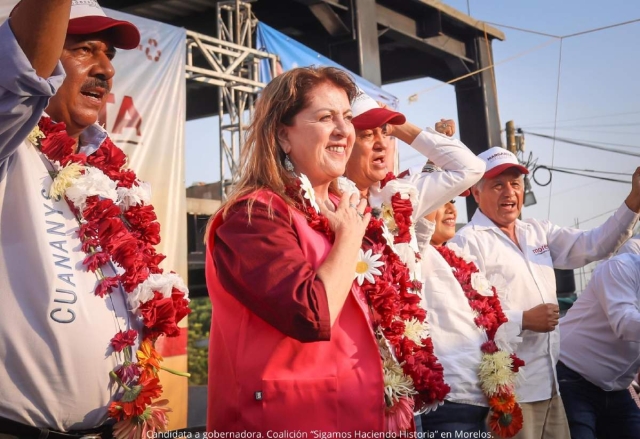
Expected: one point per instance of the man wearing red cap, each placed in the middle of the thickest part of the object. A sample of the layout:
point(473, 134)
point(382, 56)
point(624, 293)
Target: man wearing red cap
point(61, 299)
point(525, 253)
point(368, 166)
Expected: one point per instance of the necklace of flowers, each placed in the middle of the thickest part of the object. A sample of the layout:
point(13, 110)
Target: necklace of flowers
point(118, 225)
point(498, 367)
point(413, 378)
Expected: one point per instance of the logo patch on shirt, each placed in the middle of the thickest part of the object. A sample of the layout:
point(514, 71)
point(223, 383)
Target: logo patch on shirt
point(541, 250)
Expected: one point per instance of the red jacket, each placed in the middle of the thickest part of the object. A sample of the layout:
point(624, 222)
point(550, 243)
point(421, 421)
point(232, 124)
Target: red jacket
point(261, 379)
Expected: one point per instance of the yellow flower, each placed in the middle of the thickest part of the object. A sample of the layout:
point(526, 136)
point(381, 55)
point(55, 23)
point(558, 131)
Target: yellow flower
point(65, 179)
point(495, 372)
point(35, 135)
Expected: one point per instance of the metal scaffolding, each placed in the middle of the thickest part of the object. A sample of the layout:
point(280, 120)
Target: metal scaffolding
point(232, 64)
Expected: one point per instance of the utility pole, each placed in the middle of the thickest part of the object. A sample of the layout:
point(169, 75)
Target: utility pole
point(510, 129)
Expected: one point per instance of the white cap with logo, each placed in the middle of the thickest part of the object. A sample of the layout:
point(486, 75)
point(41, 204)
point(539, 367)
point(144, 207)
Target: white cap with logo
point(499, 160)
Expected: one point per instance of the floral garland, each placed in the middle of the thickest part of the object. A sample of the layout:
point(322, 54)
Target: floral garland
point(117, 224)
point(413, 378)
point(498, 367)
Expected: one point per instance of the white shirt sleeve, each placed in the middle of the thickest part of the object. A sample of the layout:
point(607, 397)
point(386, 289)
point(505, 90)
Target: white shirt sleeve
point(617, 285)
point(573, 248)
point(461, 169)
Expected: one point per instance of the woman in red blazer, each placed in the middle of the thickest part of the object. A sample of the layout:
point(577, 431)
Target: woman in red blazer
point(291, 344)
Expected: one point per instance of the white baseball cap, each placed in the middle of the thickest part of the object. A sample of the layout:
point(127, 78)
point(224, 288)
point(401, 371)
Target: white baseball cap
point(367, 114)
point(499, 160)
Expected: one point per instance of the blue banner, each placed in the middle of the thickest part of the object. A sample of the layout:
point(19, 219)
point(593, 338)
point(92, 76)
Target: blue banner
point(293, 54)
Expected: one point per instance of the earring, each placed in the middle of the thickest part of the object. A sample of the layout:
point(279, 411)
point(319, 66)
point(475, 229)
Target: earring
point(287, 163)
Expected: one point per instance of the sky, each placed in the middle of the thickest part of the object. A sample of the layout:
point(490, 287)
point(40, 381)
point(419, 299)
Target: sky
point(587, 86)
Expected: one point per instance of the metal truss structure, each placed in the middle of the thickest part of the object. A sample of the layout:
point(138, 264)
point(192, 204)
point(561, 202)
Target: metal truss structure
point(230, 63)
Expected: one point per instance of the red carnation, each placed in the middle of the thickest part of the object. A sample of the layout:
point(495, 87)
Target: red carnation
point(123, 339)
point(489, 347)
point(159, 316)
point(517, 363)
point(105, 285)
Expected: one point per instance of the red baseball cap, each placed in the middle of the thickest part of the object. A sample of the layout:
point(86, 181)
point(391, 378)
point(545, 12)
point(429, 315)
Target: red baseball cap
point(499, 160)
point(367, 114)
point(87, 17)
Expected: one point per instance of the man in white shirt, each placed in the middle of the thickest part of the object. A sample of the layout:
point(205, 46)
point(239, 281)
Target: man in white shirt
point(368, 164)
point(600, 351)
point(525, 253)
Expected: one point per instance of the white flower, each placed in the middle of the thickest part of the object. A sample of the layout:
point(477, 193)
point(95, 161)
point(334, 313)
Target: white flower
point(500, 284)
point(35, 135)
point(481, 284)
point(308, 192)
point(396, 383)
point(407, 254)
point(138, 193)
point(163, 283)
point(92, 182)
point(347, 186)
point(388, 236)
point(461, 253)
point(367, 267)
point(415, 330)
point(64, 179)
point(406, 190)
point(495, 372)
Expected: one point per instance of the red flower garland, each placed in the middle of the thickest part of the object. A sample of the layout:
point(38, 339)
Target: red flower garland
point(394, 294)
point(126, 238)
point(506, 415)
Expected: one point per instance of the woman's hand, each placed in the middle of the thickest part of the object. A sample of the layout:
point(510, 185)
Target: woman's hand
point(446, 127)
point(348, 219)
point(348, 222)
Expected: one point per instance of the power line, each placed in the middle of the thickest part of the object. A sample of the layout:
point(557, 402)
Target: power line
point(593, 170)
point(624, 145)
point(598, 216)
point(601, 28)
point(589, 117)
point(524, 30)
point(627, 124)
point(584, 144)
point(579, 174)
point(414, 97)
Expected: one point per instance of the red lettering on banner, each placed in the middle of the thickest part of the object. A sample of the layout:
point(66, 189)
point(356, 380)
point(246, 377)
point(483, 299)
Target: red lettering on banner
point(128, 116)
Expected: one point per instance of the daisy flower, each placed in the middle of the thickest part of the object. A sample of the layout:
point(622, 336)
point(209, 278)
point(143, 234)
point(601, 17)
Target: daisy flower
point(308, 192)
point(367, 266)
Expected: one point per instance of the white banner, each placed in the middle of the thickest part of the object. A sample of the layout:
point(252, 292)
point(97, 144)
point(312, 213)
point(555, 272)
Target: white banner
point(145, 116)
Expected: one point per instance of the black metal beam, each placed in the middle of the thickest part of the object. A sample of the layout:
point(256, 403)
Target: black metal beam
point(367, 37)
point(330, 20)
point(478, 108)
point(414, 33)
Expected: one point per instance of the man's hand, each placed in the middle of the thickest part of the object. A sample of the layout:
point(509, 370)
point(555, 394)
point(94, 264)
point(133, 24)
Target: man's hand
point(633, 200)
point(541, 318)
point(406, 132)
point(446, 127)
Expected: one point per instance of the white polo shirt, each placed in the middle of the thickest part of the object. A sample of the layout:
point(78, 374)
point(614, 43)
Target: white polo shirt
point(531, 281)
point(600, 335)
